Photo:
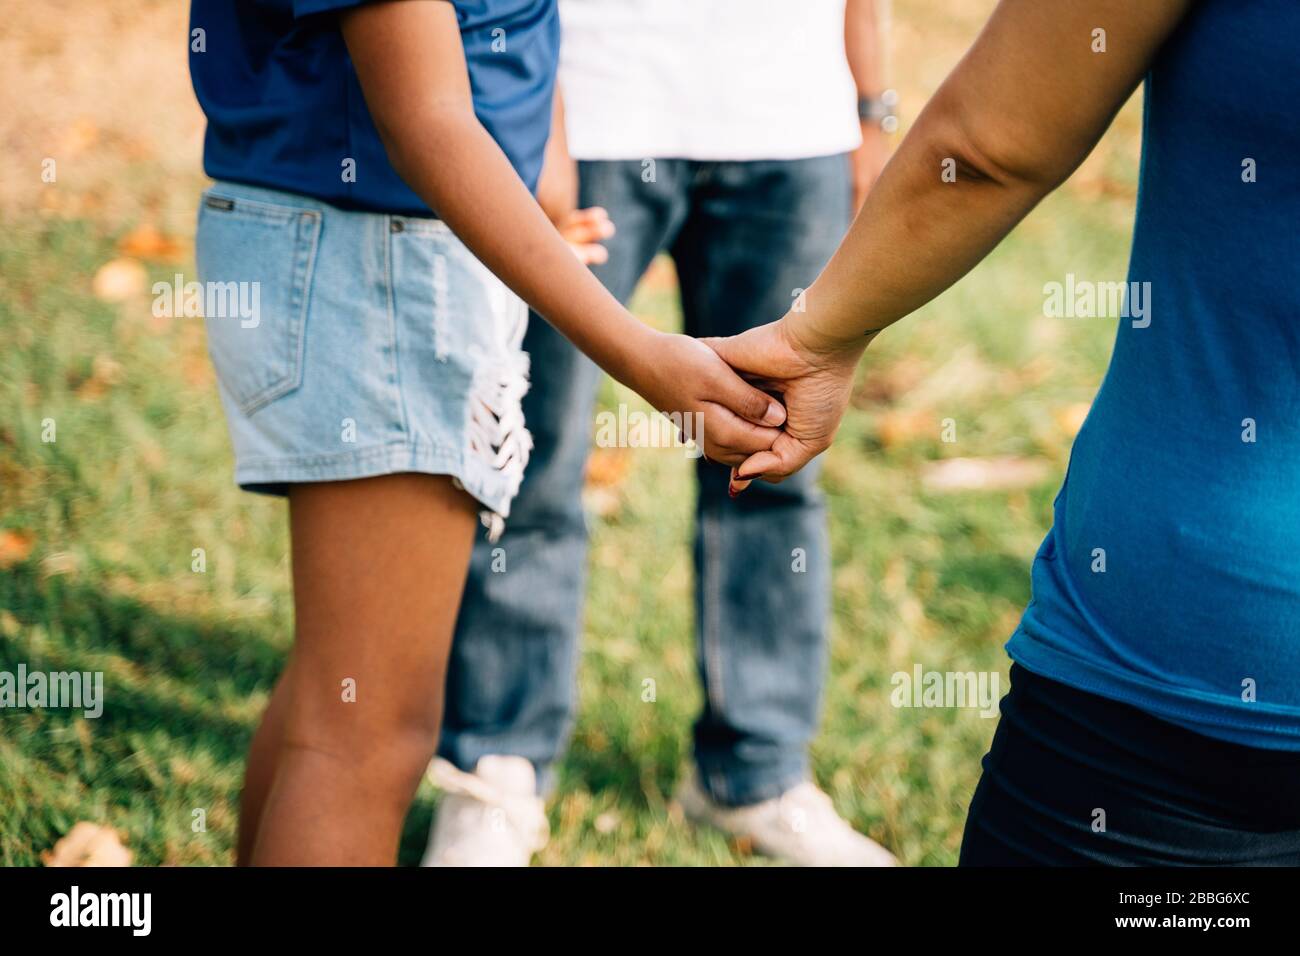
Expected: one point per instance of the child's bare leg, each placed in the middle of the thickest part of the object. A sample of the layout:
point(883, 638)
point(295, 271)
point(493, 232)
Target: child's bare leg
point(378, 569)
point(259, 772)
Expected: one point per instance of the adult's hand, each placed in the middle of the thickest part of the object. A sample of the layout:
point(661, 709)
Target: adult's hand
point(813, 384)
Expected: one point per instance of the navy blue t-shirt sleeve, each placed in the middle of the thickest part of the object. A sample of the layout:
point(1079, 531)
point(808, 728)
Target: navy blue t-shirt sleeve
point(285, 109)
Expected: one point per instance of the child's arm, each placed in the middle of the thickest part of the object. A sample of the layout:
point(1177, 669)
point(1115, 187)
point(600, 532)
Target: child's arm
point(411, 65)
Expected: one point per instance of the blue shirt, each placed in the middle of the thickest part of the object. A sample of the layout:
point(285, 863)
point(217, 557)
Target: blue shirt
point(1185, 479)
point(285, 109)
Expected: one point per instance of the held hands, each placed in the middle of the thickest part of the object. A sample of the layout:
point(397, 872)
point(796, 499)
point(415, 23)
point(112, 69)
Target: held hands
point(684, 378)
point(679, 375)
point(814, 384)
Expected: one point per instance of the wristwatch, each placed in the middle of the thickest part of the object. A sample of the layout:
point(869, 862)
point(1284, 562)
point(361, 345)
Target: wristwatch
point(880, 110)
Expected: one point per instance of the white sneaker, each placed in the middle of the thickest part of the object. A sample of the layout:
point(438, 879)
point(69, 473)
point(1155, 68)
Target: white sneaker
point(491, 817)
point(799, 827)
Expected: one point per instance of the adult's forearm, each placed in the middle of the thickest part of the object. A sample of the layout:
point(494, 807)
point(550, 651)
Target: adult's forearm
point(863, 47)
point(1014, 119)
point(916, 235)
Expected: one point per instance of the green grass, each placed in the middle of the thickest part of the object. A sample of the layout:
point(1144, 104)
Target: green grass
point(140, 475)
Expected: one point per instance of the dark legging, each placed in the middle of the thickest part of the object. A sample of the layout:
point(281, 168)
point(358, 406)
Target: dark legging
point(1073, 779)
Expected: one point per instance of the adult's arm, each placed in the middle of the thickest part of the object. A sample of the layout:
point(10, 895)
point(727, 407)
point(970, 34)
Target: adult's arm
point(1016, 116)
point(864, 48)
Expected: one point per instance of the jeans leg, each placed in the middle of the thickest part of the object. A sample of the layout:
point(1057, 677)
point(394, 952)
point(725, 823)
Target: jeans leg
point(510, 680)
point(757, 233)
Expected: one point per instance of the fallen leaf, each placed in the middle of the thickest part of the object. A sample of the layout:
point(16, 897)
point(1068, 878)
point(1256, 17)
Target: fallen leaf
point(119, 280)
point(88, 844)
point(15, 546)
point(1070, 417)
point(743, 845)
point(79, 137)
point(147, 242)
point(984, 474)
point(899, 427)
point(607, 467)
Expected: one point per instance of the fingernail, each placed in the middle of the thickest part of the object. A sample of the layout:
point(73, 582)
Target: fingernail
point(749, 477)
point(775, 414)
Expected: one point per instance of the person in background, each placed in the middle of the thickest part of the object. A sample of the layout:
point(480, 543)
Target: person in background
point(737, 136)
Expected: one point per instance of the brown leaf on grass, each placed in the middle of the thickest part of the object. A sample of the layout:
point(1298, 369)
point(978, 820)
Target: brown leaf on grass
point(1070, 417)
point(899, 426)
point(984, 474)
point(742, 845)
point(196, 370)
point(105, 372)
point(147, 242)
point(88, 844)
point(79, 137)
point(607, 467)
point(15, 546)
point(119, 280)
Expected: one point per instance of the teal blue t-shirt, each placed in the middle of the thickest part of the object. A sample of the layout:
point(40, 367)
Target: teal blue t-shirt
point(1171, 578)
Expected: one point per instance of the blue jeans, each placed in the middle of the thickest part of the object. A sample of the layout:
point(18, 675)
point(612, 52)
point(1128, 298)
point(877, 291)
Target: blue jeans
point(744, 237)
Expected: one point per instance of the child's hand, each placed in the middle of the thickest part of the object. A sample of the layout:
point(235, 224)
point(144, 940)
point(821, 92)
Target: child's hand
point(814, 385)
point(683, 376)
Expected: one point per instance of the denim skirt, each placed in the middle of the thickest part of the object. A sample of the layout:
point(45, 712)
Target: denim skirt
point(351, 344)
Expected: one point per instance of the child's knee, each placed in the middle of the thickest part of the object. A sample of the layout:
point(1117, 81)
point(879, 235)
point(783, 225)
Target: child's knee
point(382, 737)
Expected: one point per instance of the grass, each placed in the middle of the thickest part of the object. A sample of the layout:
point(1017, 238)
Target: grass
point(103, 521)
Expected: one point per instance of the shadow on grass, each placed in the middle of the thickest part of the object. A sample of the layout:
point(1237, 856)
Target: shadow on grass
point(179, 686)
point(176, 689)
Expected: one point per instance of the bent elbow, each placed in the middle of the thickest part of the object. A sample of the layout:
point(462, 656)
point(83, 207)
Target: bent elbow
point(1002, 151)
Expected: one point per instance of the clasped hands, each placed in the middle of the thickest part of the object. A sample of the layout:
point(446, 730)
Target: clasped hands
point(771, 400)
point(771, 397)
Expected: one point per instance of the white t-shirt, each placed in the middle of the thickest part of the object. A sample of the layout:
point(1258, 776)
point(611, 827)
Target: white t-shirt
point(706, 79)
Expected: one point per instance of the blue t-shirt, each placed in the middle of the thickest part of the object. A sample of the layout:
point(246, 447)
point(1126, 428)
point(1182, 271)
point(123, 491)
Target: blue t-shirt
point(285, 109)
point(1171, 579)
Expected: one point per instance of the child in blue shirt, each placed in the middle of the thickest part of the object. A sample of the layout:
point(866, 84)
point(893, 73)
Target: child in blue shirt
point(373, 165)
